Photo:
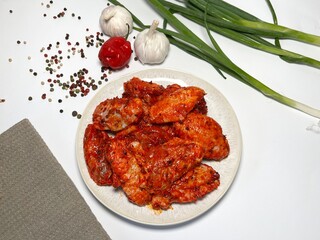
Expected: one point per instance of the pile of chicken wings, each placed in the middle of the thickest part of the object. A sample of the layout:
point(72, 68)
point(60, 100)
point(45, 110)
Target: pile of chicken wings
point(152, 141)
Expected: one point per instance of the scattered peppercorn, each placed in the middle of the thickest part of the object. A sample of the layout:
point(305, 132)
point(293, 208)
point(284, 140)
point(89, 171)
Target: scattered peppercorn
point(78, 83)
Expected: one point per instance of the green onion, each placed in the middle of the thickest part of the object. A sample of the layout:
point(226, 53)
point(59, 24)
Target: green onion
point(276, 40)
point(231, 20)
point(247, 39)
point(185, 39)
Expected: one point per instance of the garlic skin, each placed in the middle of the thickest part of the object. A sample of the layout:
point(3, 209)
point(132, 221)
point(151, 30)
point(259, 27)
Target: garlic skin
point(116, 21)
point(151, 46)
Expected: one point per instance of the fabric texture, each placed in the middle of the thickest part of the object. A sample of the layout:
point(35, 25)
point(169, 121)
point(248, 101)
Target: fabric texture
point(37, 198)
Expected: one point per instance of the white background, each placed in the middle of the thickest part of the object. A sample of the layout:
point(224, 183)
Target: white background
point(276, 192)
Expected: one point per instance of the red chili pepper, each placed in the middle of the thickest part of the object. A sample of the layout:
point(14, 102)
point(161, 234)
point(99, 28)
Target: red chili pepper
point(115, 53)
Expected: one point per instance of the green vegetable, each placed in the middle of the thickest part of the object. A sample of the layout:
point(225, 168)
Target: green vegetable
point(236, 19)
point(186, 40)
point(248, 39)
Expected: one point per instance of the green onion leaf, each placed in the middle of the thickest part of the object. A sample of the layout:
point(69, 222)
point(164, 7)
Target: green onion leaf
point(185, 39)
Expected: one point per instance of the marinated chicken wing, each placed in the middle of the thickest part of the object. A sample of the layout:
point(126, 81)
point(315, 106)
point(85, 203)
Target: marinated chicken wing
point(117, 113)
point(125, 166)
point(168, 162)
point(147, 136)
point(205, 131)
point(147, 91)
point(200, 107)
point(94, 143)
point(194, 185)
point(176, 105)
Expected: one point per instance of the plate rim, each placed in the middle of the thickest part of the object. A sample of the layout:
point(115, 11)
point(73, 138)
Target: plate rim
point(156, 73)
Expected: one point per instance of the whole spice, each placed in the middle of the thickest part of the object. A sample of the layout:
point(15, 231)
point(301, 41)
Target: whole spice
point(115, 20)
point(151, 46)
point(115, 53)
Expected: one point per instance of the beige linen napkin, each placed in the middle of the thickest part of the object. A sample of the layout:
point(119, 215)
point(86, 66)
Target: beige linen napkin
point(37, 199)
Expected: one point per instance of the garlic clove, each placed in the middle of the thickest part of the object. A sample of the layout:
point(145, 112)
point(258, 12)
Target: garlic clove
point(151, 46)
point(116, 21)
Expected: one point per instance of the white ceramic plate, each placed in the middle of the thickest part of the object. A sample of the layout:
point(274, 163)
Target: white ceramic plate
point(218, 108)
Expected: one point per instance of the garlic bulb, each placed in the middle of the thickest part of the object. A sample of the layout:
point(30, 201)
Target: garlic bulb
point(151, 46)
point(116, 21)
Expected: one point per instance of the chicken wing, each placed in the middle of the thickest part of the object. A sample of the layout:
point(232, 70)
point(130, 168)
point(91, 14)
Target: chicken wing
point(125, 166)
point(147, 135)
point(146, 91)
point(205, 131)
point(94, 143)
point(176, 105)
point(195, 184)
point(117, 113)
point(200, 107)
point(168, 162)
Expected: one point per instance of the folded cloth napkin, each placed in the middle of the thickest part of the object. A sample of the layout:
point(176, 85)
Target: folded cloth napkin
point(37, 198)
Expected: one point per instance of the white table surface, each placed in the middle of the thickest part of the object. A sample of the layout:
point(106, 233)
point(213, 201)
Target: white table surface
point(276, 192)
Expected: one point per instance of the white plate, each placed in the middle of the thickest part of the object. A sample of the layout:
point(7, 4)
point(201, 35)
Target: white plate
point(218, 108)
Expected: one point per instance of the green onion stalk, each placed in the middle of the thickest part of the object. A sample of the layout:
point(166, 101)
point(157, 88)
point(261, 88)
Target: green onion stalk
point(189, 42)
point(236, 19)
point(254, 41)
